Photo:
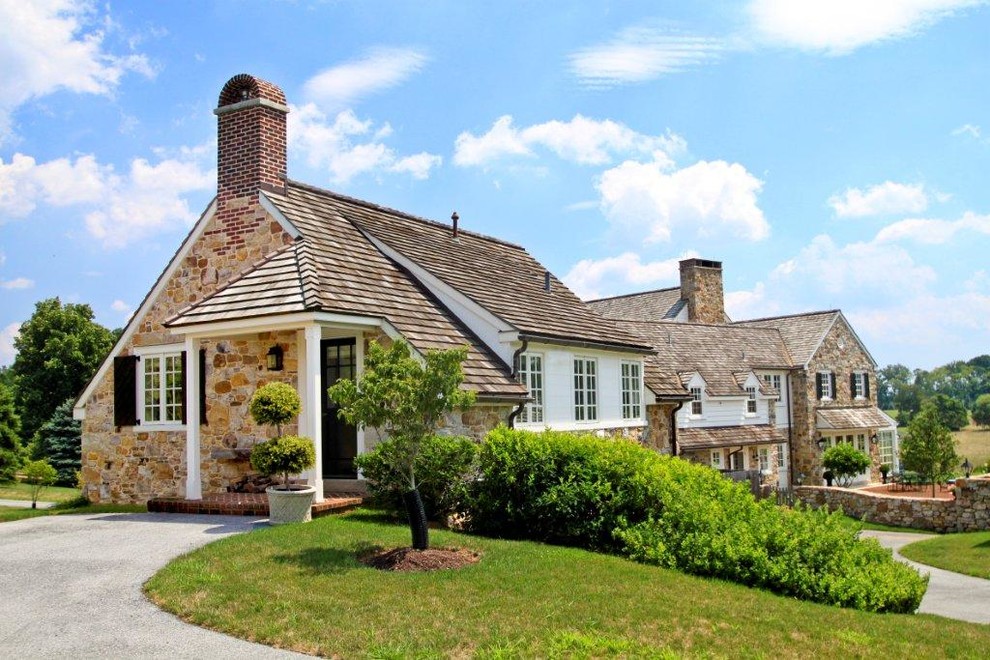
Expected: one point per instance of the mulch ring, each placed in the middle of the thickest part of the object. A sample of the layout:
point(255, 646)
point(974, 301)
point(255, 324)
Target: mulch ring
point(407, 559)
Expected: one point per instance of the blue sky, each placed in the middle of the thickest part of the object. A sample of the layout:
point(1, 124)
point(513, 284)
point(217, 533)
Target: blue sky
point(830, 154)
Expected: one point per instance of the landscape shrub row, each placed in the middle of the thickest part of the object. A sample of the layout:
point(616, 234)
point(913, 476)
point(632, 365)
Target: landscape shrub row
point(617, 496)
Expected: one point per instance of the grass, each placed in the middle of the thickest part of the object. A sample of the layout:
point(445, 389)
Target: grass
point(300, 587)
point(973, 443)
point(9, 514)
point(962, 553)
point(15, 490)
point(856, 523)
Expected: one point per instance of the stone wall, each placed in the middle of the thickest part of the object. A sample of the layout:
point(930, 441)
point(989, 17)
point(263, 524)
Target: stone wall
point(968, 512)
point(656, 435)
point(840, 353)
point(701, 286)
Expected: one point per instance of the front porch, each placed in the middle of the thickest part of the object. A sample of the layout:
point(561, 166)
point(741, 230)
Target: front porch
point(249, 504)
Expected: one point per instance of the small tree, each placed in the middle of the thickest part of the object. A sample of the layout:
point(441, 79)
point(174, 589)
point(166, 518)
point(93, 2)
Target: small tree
point(59, 441)
point(929, 448)
point(981, 411)
point(275, 404)
point(845, 462)
point(405, 399)
point(38, 475)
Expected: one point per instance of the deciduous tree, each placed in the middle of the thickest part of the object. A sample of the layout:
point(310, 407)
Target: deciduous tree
point(929, 448)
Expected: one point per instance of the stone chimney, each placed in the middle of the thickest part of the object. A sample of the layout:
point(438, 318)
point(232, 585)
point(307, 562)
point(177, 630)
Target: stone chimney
point(251, 138)
point(701, 286)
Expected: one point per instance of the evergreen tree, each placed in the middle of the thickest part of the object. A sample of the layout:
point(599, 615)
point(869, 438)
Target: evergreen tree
point(59, 440)
point(10, 442)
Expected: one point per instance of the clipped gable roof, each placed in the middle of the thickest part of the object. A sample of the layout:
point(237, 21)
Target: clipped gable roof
point(658, 305)
point(724, 355)
point(802, 333)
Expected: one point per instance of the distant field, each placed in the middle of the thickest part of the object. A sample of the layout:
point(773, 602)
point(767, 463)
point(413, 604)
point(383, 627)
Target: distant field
point(973, 443)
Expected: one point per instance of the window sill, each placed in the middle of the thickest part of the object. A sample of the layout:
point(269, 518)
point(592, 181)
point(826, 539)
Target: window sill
point(159, 427)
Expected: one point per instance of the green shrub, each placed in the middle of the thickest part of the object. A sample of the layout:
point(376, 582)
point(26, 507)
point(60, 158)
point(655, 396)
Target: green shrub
point(274, 404)
point(38, 475)
point(615, 495)
point(443, 465)
point(845, 462)
point(285, 455)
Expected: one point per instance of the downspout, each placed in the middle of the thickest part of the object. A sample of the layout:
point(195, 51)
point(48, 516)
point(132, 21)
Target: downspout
point(790, 432)
point(673, 428)
point(511, 422)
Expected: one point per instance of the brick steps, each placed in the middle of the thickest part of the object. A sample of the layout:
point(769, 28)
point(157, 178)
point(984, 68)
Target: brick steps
point(249, 504)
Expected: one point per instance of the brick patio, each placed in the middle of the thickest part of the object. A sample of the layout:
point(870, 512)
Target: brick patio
point(249, 504)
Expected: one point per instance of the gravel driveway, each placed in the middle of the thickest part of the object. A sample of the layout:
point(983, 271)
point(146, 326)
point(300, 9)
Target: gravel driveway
point(71, 587)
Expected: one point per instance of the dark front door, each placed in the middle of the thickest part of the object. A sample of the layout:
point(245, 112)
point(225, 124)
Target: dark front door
point(338, 360)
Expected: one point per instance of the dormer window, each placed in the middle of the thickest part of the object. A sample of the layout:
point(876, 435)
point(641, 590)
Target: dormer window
point(696, 407)
point(751, 401)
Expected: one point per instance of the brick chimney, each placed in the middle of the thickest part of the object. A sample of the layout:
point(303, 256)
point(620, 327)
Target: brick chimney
point(251, 138)
point(701, 286)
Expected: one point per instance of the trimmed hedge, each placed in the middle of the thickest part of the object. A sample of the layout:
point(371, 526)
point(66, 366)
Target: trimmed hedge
point(443, 466)
point(617, 496)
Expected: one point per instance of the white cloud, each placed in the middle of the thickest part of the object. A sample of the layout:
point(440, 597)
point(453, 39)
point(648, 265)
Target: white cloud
point(594, 278)
point(7, 336)
point(755, 303)
point(642, 53)
point(380, 68)
point(971, 130)
point(347, 146)
point(882, 199)
point(933, 232)
point(119, 208)
point(862, 268)
point(580, 140)
point(713, 198)
point(51, 45)
point(16, 283)
point(838, 27)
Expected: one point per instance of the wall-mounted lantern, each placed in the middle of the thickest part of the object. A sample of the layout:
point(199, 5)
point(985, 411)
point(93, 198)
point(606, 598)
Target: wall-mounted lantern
point(275, 358)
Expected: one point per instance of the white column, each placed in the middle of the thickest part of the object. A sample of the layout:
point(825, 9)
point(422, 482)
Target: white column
point(194, 482)
point(311, 408)
point(358, 372)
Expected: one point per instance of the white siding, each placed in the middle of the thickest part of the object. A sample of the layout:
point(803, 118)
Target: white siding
point(724, 411)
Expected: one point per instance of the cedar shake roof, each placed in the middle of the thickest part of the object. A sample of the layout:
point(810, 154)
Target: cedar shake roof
point(724, 355)
point(853, 418)
point(659, 305)
point(728, 436)
point(802, 333)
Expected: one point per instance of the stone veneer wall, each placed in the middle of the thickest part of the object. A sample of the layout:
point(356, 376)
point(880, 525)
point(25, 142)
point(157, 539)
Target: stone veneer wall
point(656, 435)
point(702, 287)
point(131, 464)
point(807, 457)
point(968, 512)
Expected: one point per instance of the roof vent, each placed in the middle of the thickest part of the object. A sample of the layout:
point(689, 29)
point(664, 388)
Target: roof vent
point(546, 281)
point(454, 218)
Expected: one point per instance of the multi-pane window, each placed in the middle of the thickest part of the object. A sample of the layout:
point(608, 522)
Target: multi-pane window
point(632, 388)
point(764, 455)
point(163, 399)
point(861, 443)
point(696, 408)
point(585, 390)
point(781, 455)
point(773, 380)
point(886, 439)
point(751, 401)
point(859, 385)
point(824, 381)
point(717, 459)
point(531, 375)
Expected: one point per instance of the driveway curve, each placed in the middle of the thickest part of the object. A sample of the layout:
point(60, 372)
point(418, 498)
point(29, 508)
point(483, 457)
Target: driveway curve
point(71, 587)
point(949, 594)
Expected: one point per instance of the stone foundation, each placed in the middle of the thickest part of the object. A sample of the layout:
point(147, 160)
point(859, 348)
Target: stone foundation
point(968, 512)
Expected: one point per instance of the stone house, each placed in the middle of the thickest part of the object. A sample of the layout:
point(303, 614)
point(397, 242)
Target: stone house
point(768, 394)
point(283, 281)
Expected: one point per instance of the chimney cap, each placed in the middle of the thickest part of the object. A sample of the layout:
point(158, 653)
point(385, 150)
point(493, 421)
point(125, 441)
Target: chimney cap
point(244, 88)
point(700, 263)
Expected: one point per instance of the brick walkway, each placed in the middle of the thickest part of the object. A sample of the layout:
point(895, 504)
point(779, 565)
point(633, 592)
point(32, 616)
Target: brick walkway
point(249, 504)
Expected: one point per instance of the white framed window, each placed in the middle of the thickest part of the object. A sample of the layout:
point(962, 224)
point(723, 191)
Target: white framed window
point(161, 386)
point(530, 374)
point(696, 406)
point(750, 400)
point(764, 455)
point(632, 390)
point(859, 385)
point(737, 460)
point(585, 389)
point(717, 459)
point(825, 381)
point(886, 447)
point(861, 443)
point(781, 455)
point(773, 380)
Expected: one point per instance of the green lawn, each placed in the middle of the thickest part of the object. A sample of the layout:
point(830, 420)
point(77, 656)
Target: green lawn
point(10, 490)
point(300, 587)
point(962, 553)
point(973, 443)
point(9, 514)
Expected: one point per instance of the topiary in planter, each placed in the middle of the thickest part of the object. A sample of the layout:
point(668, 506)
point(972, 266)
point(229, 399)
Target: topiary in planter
point(274, 404)
point(285, 455)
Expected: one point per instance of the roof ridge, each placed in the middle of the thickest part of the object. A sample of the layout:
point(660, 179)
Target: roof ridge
point(309, 278)
point(403, 214)
point(630, 295)
point(789, 316)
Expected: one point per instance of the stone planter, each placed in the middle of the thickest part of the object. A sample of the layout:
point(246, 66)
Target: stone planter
point(290, 506)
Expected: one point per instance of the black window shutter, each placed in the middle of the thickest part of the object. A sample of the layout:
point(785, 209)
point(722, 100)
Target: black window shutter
point(831, 376)
point(125, 390)
point(852, 385)
point(185, 373)
point(819, 384)
point(866, 385)
point(202, 386)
